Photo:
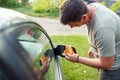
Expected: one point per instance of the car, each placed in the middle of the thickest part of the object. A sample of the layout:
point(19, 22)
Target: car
point(26, 50)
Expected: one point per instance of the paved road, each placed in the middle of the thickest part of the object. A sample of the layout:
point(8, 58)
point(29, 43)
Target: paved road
point(54, 27)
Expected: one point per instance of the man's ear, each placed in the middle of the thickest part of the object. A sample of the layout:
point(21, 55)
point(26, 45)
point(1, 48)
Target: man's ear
point(84, 17)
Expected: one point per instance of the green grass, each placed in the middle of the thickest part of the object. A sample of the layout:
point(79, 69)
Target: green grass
point(75, 71)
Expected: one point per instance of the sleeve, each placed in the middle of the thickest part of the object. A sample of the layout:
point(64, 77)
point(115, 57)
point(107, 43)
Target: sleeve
point(105, 42)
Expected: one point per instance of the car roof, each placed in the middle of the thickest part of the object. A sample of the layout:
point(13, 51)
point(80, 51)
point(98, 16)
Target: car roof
point(10, 17)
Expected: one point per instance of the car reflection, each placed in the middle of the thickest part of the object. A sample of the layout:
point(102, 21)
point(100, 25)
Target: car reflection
point(39, 49)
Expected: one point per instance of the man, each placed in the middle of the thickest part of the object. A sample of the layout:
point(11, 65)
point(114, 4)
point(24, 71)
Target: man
point(103, 33)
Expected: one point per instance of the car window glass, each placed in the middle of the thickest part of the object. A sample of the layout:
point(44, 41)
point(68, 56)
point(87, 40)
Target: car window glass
point(35, 42)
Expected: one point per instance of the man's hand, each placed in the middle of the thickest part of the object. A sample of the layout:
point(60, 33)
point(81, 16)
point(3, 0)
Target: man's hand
point(90, 53)
point(45, 67)
point(71, 57)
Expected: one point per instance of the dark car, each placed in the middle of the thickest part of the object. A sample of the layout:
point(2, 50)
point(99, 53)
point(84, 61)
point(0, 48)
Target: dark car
point(26, 50)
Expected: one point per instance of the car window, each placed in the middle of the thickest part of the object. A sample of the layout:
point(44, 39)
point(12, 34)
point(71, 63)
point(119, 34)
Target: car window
point(37, 44)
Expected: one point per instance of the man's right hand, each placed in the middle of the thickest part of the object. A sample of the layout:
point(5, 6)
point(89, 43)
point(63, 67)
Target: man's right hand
point(90, 53)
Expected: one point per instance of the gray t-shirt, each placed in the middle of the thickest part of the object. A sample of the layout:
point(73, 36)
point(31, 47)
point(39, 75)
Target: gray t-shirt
point(104, 33)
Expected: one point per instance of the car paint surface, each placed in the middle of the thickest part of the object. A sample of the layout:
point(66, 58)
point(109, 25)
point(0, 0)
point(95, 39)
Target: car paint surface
point(28, 41)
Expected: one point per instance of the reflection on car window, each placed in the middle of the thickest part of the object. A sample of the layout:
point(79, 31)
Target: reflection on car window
point(35, 42)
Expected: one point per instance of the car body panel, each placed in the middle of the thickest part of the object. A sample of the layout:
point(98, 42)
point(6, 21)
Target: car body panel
point(25, 42)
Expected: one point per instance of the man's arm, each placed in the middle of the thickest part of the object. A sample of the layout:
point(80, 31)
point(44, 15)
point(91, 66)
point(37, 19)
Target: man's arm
point(101, 62)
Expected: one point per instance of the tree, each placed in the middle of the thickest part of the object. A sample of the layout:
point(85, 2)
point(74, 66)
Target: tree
point(24, 2)
point(8, 3)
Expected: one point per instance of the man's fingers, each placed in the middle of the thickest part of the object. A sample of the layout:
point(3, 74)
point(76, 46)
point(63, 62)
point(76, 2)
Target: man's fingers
point(91, 54)
point(67, 54)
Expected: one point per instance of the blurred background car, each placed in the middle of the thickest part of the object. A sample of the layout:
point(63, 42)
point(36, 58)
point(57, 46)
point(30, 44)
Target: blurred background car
point(26, 50)
point(91, 1)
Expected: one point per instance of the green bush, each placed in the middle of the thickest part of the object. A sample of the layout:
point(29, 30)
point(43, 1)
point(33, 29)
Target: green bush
point(46, 5)
point(115, 6)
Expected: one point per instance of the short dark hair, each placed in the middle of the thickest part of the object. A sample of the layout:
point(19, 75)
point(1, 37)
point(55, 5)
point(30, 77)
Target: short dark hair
point(72, 10)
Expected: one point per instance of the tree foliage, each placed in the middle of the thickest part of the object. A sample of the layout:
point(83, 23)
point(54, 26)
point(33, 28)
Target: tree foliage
point(115, 6)
point(8, 3)
point(13, 3)
point(24, 2)
point(46, 5)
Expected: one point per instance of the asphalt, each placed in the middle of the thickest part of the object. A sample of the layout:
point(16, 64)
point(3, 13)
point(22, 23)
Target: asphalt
point(54, 27)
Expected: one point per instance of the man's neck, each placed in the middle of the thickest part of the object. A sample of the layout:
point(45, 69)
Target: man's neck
point(90, 12)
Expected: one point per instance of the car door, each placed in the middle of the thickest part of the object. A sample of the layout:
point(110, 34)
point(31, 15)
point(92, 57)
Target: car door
point(38, 45)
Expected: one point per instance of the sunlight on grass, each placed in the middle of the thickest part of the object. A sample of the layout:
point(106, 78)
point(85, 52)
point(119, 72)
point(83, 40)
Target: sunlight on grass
point(75, 71)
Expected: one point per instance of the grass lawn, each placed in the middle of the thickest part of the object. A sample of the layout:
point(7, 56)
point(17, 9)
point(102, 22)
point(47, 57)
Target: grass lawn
point(75, 71)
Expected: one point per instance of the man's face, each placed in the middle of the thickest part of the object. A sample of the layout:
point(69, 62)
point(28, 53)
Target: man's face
point(84, 20)
point(76, 24)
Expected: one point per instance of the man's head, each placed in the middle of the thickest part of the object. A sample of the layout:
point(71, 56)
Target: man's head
point(72, 11)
